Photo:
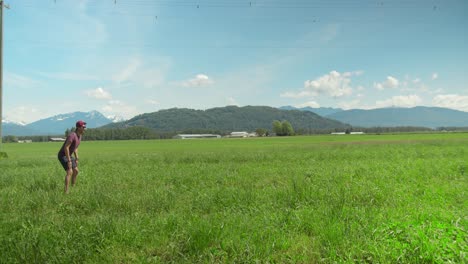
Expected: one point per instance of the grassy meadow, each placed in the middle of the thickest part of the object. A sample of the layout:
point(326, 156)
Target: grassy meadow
point(316, 199)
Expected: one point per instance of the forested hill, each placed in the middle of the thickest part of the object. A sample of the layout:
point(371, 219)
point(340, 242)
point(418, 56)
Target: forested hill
point(229, 118)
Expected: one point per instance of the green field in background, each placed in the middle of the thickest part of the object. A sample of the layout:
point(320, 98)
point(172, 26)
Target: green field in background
point(344, 198)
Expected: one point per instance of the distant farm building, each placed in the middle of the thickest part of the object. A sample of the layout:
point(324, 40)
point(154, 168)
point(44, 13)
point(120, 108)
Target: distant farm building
point(192, 136)
point(242, 134)
point(344, 133)
point(56, 139)
point(239, 134)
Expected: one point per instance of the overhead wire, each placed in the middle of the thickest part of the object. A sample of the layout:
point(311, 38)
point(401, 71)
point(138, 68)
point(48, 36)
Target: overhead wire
point(256, 4)
point(311, 18)
point(111, 10)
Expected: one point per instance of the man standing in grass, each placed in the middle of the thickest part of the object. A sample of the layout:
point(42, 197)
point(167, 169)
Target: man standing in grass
point(69, 147)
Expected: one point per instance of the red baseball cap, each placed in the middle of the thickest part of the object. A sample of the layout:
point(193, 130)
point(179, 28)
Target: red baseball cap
point(81, 123)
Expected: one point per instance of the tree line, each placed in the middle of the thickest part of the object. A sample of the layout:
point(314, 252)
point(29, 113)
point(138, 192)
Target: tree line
point(278, 128)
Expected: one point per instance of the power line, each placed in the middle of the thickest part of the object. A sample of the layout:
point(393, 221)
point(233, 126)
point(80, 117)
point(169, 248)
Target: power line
point(165, 19)
point(261, 4)
point(304, 18)
point(113, 8)
point(157, 18)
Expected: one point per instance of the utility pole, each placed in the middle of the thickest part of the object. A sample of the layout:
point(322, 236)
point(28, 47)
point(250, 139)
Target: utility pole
point(2, 4)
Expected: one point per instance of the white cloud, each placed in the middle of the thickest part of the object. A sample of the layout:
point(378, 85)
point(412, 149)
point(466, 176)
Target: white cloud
point(453, 101)
point(434, 76)
point(99, 93)
point(334, 84)
point(199, 81)
point(312, 104)
point(232, 101)
point(400, 101)
point(389, 83)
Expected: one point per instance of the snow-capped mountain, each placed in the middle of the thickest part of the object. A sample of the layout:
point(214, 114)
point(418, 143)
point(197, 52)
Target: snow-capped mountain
point(6, 121)
point(15, 128)
point(116, 119)
point(56, 125)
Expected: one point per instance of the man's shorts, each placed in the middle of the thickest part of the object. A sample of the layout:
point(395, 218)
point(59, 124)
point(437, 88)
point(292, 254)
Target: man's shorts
point(64, 161)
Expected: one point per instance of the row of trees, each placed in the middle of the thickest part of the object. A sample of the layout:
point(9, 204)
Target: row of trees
point(283, 128)
point(10, 139)
point(452, 129)
point(14, 139)
point(279, 128)
point(136, 132)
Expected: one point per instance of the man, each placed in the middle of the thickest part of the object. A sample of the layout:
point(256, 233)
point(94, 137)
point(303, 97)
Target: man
point(69, 147)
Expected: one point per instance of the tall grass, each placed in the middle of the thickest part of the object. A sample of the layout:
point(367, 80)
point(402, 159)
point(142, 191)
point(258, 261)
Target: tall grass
point(325, 199)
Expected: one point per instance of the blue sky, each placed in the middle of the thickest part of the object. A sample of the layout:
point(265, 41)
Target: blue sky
point(128, 57)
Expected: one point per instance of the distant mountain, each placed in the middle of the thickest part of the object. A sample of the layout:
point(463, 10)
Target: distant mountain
point(229, 118)
point(16, 129)
point(12, 123)
point(55, 125)
point(421, 116)
point(249, 118)
point(321, 111)
point(115, 118)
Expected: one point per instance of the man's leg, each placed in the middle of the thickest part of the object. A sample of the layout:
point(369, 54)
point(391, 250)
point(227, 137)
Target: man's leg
point(75, 173)
point(67, 179)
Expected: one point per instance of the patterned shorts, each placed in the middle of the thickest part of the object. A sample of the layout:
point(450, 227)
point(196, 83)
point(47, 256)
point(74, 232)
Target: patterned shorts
point(64, 161)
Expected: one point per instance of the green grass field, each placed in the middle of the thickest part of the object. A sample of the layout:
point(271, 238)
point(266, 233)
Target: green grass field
point(359, 198)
